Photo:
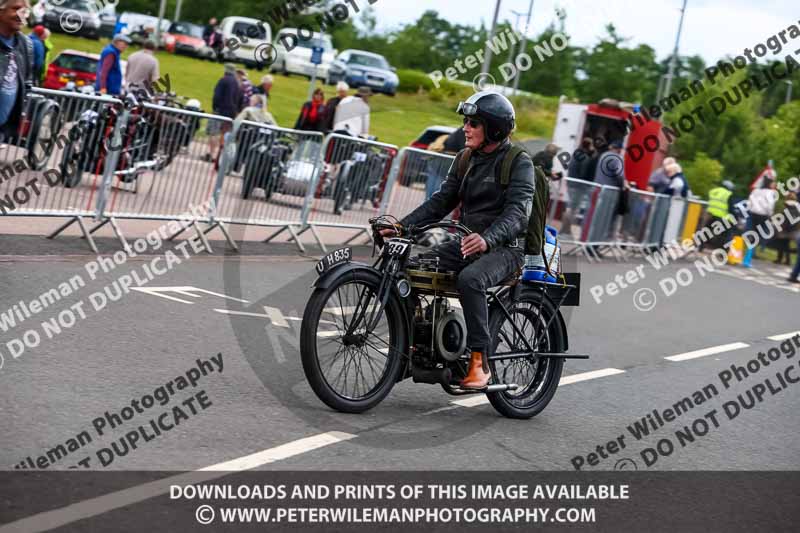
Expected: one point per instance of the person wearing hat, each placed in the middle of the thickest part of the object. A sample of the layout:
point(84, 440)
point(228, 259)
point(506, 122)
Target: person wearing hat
point(352, 114)
point(228, 103)
point(109, 67)
point(142, 69)
point(37, 39)
point(720, 207)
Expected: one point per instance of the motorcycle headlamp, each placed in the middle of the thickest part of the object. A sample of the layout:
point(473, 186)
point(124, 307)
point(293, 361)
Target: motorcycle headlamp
point(467, 109)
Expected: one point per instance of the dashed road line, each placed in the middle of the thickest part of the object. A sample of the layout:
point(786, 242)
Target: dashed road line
point(784, 336)
point(708, 351)
point(115, 500)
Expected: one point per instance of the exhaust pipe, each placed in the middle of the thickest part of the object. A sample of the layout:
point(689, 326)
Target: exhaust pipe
point(501, 387)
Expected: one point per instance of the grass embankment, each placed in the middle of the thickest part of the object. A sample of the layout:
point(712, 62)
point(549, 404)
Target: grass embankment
point(396, 120)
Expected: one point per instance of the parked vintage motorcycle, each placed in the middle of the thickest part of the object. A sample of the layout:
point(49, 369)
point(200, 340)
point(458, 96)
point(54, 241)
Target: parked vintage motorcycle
point(149, 142)
point(366, 327)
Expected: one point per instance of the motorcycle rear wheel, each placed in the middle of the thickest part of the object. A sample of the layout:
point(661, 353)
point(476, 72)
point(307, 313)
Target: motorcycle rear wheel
point(378, 355)
point(537, 379)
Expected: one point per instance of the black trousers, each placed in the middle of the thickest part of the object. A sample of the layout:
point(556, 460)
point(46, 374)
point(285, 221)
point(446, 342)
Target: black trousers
point(475, 276)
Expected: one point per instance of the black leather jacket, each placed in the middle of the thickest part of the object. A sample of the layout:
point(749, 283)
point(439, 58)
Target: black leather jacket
point(24, 58)
point(498, 213)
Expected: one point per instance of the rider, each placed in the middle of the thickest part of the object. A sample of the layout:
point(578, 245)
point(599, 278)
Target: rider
point(497, 214)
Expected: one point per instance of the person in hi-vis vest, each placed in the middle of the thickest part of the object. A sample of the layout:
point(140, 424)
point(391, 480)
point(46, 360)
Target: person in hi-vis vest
point(720, 207)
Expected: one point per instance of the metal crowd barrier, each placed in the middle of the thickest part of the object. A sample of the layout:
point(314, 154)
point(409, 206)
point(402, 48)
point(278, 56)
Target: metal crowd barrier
point(418, 174)
point(39, 164)
point(92, 157)
point(573, 208)
point(350, 185)
point(160, 171)
point(269, 171)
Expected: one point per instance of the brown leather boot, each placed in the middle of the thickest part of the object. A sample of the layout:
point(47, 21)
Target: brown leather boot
point(478, 375)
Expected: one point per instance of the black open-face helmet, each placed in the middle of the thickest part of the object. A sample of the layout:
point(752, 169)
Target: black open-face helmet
point(493, 110)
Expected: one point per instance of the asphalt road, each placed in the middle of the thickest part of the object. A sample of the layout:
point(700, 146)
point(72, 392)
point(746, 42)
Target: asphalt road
point(260, 400)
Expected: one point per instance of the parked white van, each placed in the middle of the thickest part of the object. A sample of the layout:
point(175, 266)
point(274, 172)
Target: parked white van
point(246, 41)
point(294, 53)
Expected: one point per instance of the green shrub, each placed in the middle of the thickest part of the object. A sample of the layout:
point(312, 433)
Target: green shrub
point(412, 80)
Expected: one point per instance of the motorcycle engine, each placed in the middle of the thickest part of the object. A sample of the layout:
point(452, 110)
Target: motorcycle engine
point(443, 331)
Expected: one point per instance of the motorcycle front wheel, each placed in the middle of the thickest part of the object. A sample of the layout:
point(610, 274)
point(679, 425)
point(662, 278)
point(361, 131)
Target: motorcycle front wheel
point(352, 373)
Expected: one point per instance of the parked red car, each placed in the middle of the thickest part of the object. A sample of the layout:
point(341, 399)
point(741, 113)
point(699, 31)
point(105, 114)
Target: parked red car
point(72, 65)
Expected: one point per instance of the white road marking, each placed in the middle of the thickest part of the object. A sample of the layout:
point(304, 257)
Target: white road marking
point(115, 500)
point(568, 380)
point(263, 315)
point(784, 336)
point(708, 351)
point(324, 334)
point(155, 292)
point(184, 291)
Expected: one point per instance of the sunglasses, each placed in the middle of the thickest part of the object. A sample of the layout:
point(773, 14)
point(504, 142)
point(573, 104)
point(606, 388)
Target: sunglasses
point(472, 122)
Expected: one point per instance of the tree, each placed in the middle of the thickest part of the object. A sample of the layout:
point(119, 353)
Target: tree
point(610, 70)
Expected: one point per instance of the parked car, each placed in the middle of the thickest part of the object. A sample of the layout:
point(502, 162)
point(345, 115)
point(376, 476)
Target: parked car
point(141, 27)
point(74, 66)
point(429, 135)
point(294, 54)
point(251, 36)
point(359, 68)
point(85, 19)
point(188, 40)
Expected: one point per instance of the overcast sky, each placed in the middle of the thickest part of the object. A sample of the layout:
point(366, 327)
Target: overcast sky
point(712, 28)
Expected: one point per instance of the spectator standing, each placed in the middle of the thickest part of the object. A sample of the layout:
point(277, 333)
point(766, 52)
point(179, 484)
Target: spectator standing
point(16, 65)
point(39, 51)
point(761, 206)
point(245, 85)
point(312, 114)
point(213, 38)
point(142, 69)
point(109, 69)
point(545, 158)
point(228, 103)
point(611, 167)
point(611, 171)
point(265, 87)
point(788, 230)
point(720, 207)
point(330, 107)
point(48, 47)
point(352, 114)
point(795, 275)
point(678, 184)
point(256, 111)
point(659, 181)
point(583, 164)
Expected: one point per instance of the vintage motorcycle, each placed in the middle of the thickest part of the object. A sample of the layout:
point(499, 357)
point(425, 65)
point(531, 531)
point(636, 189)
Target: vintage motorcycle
point(367, 327)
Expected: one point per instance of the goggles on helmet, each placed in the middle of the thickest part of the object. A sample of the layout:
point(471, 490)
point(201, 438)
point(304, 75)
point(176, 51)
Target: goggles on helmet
point(467, 109)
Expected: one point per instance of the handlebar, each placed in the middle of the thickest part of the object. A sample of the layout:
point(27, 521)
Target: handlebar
point(412, 232)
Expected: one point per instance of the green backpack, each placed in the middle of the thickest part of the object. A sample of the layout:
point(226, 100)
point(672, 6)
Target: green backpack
point(534, 239)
